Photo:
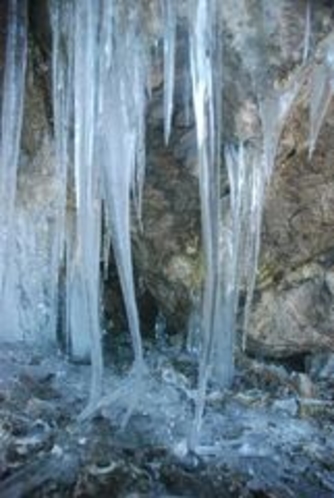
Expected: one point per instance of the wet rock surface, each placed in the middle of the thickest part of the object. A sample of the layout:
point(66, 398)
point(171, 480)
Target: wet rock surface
point(266, 437)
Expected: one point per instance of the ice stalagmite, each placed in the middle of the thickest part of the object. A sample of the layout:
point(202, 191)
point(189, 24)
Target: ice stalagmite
point(13, 89)
point(202, 53)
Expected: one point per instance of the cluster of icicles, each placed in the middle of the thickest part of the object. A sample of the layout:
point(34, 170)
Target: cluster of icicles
point(101, 84)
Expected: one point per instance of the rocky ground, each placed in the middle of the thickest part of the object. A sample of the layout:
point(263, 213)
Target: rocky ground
point(270, 436)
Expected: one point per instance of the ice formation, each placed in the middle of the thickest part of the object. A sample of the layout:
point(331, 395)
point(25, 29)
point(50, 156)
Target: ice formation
point(308, 30)
point(169, 17)
point(204, 57)
point(101, 71)
point(13, 90)
point(121, 141)
point(108, 82)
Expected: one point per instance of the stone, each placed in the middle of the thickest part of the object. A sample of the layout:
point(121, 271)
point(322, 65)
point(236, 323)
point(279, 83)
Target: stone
point(288, 406)
point(305, 386)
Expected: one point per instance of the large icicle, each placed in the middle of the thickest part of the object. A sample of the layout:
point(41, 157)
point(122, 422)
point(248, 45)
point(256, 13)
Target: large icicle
point(121, 114)
point(85, 302)
point(169, 18)
point(13, 89)
point(202, 52)
point(109, 80)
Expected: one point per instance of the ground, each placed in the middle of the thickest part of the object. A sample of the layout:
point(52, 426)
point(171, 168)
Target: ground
point(270, 436)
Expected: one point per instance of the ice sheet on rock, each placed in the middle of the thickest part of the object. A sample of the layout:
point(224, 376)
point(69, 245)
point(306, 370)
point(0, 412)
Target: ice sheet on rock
point(28, 311)
point(13, 89)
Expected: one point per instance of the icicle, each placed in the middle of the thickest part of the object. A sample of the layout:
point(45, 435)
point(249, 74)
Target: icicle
point(253, 209)
point(187, 98)
point(233, 242)
point(169, 17)
point(140, 62)
point(85, 300)
point(11, 124)
point(202, 53)
point(121, 130)
point(106, 244)
point(194, 328)
point(307, 36)
point(62, 66)
point(274, 111)
point(109, 79)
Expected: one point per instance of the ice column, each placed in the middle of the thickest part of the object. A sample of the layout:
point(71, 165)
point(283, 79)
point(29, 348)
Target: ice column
point(13, 89)
point(203, 57)
point(85, 296)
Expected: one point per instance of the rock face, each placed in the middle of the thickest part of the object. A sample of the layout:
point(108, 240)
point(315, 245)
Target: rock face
point(293, 310)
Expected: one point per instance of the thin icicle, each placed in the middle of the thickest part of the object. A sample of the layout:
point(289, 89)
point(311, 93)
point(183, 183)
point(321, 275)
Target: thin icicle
point(255, 196)
point(13, 89)
point(106, 243)
point(308, 33)
point(169, 18)
point(62, 65)
point(138, 111)
point(202, 17)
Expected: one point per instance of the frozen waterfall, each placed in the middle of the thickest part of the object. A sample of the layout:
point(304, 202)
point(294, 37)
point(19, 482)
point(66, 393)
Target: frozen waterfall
point(101, 71)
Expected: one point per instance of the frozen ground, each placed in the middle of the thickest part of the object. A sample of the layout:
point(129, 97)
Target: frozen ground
point(271, 436)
